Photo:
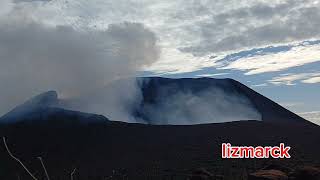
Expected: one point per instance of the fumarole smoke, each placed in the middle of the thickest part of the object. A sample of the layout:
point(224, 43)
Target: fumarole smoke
point(94, 71)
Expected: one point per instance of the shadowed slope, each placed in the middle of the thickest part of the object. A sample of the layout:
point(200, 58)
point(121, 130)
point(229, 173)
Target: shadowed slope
point(45, 107)
point(270, 111)
point(156, 89)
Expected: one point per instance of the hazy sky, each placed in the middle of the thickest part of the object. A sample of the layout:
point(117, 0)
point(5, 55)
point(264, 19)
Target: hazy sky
point(273, 46)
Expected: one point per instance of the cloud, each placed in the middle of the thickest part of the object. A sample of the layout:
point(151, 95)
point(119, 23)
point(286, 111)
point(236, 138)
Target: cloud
point(273, 62)
point(292, 104)
point(212, 75)
point(17, 1)
point(172, 61)
point(260, 85)
point(312, 80)
point(260, 24)
point(291, 79)
point(5, 7)
point(191, 32)
point(313, 116)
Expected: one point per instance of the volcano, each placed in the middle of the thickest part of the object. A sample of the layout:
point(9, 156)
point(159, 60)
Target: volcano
point(158, 89)
point(100, 148)
point(164, 101)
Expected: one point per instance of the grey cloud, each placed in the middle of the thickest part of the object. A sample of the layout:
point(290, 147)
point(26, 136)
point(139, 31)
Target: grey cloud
point(312, 116)
point(5, 7)
point(17, 1)
point(258, 25)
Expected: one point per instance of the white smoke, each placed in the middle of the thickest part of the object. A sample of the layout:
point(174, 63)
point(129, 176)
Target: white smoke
point(35, 57)
point(116, 101)
point(5, 7)
point(179, 105)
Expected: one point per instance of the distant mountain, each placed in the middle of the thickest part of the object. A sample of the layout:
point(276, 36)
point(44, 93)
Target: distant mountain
point(45, 107)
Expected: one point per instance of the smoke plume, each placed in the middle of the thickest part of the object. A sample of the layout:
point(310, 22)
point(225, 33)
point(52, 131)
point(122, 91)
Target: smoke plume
point(92, 71)
point(35, 57)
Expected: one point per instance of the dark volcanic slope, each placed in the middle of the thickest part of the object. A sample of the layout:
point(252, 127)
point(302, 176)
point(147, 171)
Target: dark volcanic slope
point(42, 107)
point(144, 151)
point(166, 101)
point(100, 148)
point(36, 106)
point(269, 110)
point(156, 89)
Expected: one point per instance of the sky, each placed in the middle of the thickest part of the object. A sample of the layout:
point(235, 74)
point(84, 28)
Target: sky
point(272, 46)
